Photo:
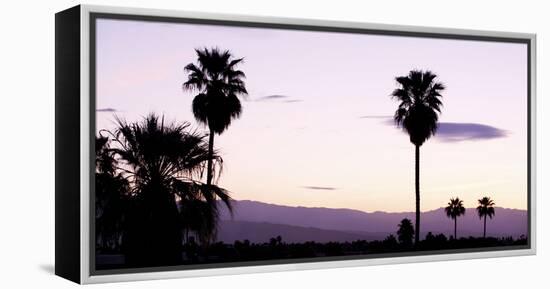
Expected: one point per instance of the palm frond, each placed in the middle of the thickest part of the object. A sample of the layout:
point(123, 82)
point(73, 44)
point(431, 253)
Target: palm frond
point(455, 208)
point(419, 104)
point(220, 83)
point(486, 207)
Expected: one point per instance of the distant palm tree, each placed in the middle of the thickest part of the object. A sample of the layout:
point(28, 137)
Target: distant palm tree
point(161, 162)
point(219, 83)
point(405, 233)
point(418, 112)
point(485, 208)
point(454, 210)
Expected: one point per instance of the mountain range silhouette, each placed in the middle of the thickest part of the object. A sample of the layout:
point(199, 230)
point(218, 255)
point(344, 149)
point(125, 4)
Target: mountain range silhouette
point(258, 222)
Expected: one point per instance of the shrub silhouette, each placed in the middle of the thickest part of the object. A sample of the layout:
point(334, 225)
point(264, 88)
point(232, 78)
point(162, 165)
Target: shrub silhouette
point(405, 233)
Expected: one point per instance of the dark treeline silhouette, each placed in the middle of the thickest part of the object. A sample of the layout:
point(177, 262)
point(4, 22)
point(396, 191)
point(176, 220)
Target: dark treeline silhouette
point(276, 248)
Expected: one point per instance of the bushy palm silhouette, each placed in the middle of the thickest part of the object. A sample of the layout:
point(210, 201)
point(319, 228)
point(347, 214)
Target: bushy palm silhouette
point(162, 163)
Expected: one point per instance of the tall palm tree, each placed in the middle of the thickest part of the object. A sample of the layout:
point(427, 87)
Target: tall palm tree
point(219, 83)
point(455, 209)
point(418, 112)
point(161, 162)
point(485, 208)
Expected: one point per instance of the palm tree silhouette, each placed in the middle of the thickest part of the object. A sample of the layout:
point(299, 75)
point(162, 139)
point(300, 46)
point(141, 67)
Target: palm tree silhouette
point(219, 83)
point(485, 208)
point(418, 112)
point(199, 211)
point(161, 162)
point(405, 233)
point(110, 197)
point(454, 210)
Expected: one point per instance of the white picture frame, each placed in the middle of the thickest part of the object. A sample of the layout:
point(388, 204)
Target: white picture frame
point(73, 229)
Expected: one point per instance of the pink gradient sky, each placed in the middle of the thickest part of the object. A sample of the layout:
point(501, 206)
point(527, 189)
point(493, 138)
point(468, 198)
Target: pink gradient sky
point(315, 136)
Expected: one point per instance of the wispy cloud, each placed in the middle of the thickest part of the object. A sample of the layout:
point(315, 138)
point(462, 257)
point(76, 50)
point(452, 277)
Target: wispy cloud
point(272, 97)
point(278, 97)
point(107, 109)
point(319, 188)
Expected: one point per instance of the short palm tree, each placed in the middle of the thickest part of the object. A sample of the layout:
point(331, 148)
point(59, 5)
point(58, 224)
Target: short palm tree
point(161, 162)
point(455, 209)
point(418, 112)
point(485, 208)
point(219, 84)
point(405, 233)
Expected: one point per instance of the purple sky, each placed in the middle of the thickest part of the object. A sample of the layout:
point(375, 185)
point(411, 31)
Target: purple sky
point(315, 128)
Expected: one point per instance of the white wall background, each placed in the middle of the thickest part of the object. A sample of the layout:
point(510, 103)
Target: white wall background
point(27, 142)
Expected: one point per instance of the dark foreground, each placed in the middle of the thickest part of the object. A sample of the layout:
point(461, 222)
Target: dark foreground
point(277, 249)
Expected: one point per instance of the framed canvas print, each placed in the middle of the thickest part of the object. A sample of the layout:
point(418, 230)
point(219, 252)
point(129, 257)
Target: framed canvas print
point(192, 144)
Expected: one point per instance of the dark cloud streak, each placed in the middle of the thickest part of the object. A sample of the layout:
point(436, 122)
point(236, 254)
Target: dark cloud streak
point(463, 131)
point(319, 188)
point(272, 97)
point(108, 109)
point(456, 132)
point(281, 97)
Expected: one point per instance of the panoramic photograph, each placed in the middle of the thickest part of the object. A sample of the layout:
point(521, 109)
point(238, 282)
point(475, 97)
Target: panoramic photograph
point(225, 145)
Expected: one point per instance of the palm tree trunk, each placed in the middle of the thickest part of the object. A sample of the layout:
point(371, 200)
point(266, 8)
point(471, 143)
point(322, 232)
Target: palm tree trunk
point(455, 228)
point(210, 154)
point(484, 226)
point(417, 192)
